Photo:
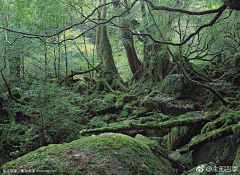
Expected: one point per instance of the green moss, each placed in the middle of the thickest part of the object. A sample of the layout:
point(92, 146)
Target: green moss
point(237, 159)
point(104, 154)
point(229, 117)
point(109, 118)
point(110, 97)
point(236, 130)
point(80, 86)
point(129, 98)
point(99, 106)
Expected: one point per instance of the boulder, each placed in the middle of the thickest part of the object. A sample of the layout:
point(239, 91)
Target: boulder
point(103, 154)
point(156, 101)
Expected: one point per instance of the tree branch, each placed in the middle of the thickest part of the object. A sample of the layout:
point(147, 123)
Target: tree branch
point(78, 73)
point(183, 11)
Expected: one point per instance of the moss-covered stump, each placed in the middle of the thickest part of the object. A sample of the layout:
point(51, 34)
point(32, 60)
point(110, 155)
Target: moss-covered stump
point(104, 154)
point(173, 84)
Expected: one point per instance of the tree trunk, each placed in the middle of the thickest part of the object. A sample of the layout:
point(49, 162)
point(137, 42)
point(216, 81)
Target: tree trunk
point(128, 43)
point(103, 47)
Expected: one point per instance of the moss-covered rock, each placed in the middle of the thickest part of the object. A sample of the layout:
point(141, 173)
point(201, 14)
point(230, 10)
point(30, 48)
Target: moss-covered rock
point(155, 101)
point(176, 86)
point(223, 150)
point(129, 98)
point(127, 109)
point(99, 106)
point(229, 117)
point(104, 154)
point(177, 107)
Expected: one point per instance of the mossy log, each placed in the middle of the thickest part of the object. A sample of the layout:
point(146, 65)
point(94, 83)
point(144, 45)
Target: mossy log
point(153, 125)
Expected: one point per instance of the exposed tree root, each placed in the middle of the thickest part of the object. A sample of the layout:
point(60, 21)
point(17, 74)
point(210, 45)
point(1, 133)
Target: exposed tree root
point(152, 125)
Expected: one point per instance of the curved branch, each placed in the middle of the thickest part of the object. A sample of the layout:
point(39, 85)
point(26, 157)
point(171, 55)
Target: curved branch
point(211, 23)
point(35, 36)
point(79, 73)
point(183, 11)
point(73, 25)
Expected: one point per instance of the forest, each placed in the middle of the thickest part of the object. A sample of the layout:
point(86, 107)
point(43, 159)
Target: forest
point(120, 87)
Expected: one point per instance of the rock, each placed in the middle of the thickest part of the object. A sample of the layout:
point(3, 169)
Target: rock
point(221, 151)
point(178, 107)
point(103, 154)
point(155, 101)
point(166, 104)
point(99, 106)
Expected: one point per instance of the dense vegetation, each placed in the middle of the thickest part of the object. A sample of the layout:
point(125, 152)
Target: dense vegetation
point(166, 73)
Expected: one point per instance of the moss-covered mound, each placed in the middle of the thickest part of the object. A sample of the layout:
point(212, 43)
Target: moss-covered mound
point(103, 154)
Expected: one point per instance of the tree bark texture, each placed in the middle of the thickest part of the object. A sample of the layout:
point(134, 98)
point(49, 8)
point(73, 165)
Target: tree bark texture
point(103, 46)
point(128, 43)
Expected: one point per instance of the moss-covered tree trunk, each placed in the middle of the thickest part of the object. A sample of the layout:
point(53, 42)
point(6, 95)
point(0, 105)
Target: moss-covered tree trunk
point(156, 61)
point(103, 46)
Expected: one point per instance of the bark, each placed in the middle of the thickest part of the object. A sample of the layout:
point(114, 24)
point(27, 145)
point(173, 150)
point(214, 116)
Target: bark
point(232, 4)
point(128, 43)
point(103, 47)
point(156, 62)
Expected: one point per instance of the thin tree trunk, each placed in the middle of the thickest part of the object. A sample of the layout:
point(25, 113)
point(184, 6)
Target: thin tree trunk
point(65, 51)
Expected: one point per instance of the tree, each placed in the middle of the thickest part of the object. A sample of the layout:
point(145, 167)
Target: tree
point(103, 46)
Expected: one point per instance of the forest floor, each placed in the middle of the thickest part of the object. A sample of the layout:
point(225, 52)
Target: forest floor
point(187, 126)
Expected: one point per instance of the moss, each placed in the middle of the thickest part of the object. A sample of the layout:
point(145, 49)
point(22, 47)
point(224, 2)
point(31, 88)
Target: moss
point(80, 86)
point(237, 159)
point(152, 125)
point(110, 97)
point(155, 101)
point(129, 98)
point(99, 106)
point(119, 102)
point(207, 137)
point(176, 136)
point(104, 154)
point(228, 118)
point(141, 112)
point(221, 151)
point(236, 130)
point(109, 118)
point(16, 92)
